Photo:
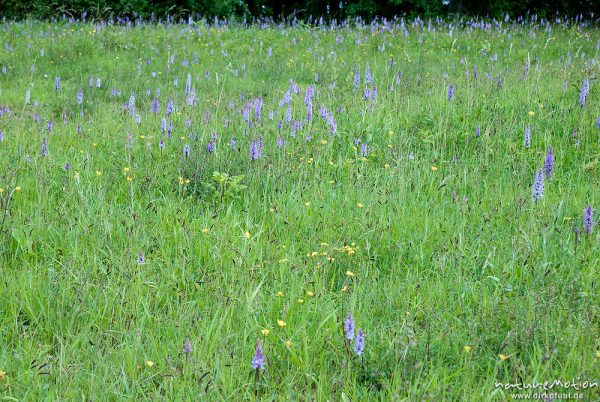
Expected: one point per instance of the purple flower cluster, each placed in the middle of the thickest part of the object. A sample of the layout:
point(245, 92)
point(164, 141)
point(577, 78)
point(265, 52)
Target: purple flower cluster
point(359, 336)
point(584, 93)
point(188, 84)
point(368, 76)
point(356, 79)
point(359, 342)
point(549, 163)
point(44, 148)
point(169, 107)
point(258, 104)
point(527, 137)
point(537, 190)
point(349, 327)
point(256, 148)
point(588, 220)
point(258, 360)
point(140, 258)
point(187, 347)
point(131, 105)
point(364, 151)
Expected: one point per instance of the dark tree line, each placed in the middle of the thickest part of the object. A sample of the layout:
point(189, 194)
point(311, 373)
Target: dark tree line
point(287, 9)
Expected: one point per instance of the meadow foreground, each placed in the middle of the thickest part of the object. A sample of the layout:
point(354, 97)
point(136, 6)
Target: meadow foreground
point(396, 210)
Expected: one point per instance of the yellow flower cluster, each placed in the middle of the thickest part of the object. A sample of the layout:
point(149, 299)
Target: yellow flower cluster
point(316, 254)
point(349, 250)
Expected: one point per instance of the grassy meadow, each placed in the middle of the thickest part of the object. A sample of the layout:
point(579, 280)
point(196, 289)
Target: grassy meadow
point(171, 193)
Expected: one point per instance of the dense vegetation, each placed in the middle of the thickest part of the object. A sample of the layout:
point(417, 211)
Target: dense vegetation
point(289, 9)
point(172, 193)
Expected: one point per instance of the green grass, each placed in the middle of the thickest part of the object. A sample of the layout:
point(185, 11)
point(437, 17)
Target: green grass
point(442, 259)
